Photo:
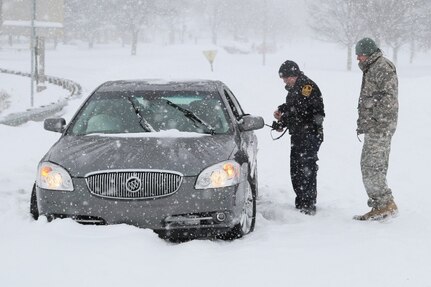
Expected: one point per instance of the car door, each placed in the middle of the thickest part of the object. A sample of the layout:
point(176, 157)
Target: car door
point(248, 139)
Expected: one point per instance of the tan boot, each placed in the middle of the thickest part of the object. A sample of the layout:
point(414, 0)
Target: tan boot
point(390, 209)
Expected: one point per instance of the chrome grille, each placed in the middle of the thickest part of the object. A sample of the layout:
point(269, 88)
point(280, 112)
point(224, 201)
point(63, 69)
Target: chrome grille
point(133, 184)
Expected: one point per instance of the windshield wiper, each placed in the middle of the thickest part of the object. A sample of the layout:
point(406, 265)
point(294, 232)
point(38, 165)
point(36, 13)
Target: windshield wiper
point(190, 115)
point(142, 121)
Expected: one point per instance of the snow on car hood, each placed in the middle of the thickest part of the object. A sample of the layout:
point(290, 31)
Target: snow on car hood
point(161, 134)
point(188, 155)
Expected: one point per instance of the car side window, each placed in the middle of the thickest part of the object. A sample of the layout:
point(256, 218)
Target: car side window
point(233, 103)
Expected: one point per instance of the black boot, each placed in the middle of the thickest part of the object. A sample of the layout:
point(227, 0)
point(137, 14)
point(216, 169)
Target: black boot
point(308, 209)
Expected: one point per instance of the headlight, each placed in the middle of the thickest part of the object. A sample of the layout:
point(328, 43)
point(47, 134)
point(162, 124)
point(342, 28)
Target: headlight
point(52, 176)
point(223, 174)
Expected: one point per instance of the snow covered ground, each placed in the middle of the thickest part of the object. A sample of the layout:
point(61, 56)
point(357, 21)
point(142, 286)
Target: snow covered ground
point(287, 248)
point(18, 88)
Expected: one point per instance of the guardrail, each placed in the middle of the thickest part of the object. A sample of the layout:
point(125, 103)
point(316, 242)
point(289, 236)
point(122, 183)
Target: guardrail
point(42, 112)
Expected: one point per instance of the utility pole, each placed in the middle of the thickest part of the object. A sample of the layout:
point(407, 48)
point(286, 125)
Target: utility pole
point(32, 48)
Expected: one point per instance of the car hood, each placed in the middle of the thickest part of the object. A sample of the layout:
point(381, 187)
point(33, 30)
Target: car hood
point(84, 154)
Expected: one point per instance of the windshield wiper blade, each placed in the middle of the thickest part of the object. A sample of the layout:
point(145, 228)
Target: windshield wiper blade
point(190, 115)
point(142, 121)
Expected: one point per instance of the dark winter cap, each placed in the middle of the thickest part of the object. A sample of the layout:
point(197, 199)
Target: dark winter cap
point(366, 47)
point(289, 69)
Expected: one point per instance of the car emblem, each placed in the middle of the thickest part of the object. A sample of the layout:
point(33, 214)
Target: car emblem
point(133, 184)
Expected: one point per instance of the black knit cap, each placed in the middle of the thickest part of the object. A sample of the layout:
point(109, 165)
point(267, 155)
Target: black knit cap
point(289, 69)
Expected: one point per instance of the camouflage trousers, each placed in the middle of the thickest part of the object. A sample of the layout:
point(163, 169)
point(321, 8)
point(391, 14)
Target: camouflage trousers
point(374, 167)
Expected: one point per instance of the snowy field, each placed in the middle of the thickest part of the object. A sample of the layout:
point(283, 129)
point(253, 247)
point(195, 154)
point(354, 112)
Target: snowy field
point(287, 248)
point(18, 89)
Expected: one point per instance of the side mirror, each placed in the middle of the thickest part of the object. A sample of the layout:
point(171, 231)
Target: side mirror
point(55, 125)
point(250, 123)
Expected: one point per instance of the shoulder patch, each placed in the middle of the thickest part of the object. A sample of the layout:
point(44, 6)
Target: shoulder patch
point(306, 90)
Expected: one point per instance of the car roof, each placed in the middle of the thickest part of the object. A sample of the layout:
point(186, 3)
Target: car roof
point(159, 85)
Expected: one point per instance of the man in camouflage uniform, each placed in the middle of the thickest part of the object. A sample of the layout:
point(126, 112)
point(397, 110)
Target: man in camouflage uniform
point(378, 114)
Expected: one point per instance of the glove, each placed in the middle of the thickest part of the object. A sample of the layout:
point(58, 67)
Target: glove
point(277, 126)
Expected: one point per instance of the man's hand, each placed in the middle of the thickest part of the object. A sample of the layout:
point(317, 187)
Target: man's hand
point(277, 115)
point(277, 126)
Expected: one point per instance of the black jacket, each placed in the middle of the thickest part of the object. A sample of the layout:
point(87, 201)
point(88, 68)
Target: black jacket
point(303, 110)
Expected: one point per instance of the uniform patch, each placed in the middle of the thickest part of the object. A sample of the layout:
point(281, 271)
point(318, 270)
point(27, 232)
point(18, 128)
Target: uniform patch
point(306, 90)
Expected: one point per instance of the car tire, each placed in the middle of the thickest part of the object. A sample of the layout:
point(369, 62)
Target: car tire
point(248, 216)
point(173, 237)
point(34, 211)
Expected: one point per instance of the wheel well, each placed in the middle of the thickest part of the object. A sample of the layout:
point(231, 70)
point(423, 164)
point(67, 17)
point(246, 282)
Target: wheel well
point(253, 182)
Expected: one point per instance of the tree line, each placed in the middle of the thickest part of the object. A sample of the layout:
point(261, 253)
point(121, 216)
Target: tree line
point(179, 21)
point(391, 22)
point(262, 24)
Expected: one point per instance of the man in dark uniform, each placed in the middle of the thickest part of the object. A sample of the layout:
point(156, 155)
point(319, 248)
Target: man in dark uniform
point(303, 115)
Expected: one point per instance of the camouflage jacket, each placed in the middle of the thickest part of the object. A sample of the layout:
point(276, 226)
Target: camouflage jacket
point(378, 102)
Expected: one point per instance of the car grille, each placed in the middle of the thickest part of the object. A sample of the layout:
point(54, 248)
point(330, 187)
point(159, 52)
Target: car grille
point(133, 184)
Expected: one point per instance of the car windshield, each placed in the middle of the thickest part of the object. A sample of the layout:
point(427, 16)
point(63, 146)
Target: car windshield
point(137, 112)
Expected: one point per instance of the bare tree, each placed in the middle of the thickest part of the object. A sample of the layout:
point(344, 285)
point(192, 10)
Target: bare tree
point(1, 18)
point(237, 19)
point(1, 13)
point(135, 12)
point(215, 13)
point(390, 21)
point(416, 29)
point(423, 27)
point(339, 22)
point(174, 16)
point(132, 16)
point(84, 19)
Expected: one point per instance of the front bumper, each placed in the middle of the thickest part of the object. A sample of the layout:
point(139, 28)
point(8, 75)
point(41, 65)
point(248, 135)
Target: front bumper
point(187, 209)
